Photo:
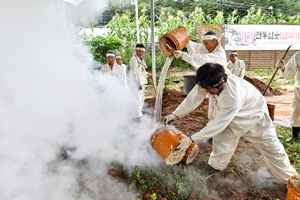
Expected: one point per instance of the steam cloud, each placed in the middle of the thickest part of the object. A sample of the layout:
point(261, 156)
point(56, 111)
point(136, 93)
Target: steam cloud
point(52, 102)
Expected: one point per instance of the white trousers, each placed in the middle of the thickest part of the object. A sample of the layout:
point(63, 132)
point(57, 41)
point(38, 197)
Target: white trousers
point(295, 118)
point(139, 102)
point(264, 138)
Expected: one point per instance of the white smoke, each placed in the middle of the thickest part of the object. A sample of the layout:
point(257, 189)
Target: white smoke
point(50, 100)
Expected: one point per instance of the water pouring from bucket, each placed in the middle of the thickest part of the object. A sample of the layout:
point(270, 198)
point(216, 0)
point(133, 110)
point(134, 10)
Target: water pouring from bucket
point(176, 39)
point(165, 139)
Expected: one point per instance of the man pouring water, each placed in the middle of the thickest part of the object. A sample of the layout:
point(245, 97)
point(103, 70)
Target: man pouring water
point(210, 50)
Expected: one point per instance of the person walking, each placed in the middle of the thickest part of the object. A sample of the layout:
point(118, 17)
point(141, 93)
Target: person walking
point(241, 112)
point(290, 70)
point(235, 65)
point(138, 78)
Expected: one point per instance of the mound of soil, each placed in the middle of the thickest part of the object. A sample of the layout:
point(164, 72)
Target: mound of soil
point(242, 179)
point(261, 86)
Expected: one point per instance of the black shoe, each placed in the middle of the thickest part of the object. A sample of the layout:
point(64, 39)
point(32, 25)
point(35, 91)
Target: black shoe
point(209, 141)
point(210, 170)
point(295, 135)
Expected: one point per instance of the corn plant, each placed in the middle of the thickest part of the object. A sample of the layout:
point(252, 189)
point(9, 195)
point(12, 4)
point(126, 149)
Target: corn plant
point(218, 19)
point(232, 18)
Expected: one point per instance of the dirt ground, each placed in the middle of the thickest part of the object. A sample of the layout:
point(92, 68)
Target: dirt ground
point(246, 177)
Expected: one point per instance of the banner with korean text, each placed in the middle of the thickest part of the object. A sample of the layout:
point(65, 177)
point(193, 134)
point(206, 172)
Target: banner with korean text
point(261, 37)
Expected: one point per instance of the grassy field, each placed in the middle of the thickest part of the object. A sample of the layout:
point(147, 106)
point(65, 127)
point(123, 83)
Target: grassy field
point(293, 149)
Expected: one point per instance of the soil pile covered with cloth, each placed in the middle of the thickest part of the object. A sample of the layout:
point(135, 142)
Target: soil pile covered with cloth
point(247, 175)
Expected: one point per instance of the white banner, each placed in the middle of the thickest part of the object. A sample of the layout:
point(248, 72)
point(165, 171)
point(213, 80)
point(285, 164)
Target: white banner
point(261, 37)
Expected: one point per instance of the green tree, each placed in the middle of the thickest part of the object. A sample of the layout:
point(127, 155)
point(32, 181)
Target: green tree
point(99, 45)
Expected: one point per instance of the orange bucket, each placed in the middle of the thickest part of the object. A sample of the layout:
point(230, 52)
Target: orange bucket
point(271, 109)
point(164, 141)
point(293, 192)
point(192, 152)
point(177, 39)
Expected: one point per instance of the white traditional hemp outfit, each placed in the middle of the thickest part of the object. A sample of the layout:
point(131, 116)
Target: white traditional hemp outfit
point(240, 111)
point(117, 71)
point(291, 71)
point(237, 68)
point(198, 55)
point(138, 78)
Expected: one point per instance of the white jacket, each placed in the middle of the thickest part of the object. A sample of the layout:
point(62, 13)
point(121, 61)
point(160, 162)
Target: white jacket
point(117, 71)
point(239, 106)
point(199, 55)
point(292, 69)
point(138, 72)
point(237, 68)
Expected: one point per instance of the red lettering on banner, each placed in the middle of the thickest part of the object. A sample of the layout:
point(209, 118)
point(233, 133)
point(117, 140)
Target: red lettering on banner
point(290, 35)
point(283, 36)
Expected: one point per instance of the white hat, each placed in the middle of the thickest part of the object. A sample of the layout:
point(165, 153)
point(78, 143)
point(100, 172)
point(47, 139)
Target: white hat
point(233, 52)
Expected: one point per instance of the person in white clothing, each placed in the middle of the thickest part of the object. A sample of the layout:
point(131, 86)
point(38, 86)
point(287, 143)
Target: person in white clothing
point(241, 112)
point(120, 62)
point(235, 65)
point(210, 50)
point(112, 68)
point(138, 78)
point(290, 70)
point(198, 54)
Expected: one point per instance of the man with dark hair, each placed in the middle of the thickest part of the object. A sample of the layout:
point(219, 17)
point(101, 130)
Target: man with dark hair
point(138, 78)
point(235, 65)
point(240, 111)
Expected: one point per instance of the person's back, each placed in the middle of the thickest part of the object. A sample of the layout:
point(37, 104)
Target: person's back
point(249, 104)
point(240, 111)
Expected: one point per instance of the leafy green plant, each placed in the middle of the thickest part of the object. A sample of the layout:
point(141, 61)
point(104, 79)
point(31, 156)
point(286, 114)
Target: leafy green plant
point(122, 37)
point(137, 180)
point(178, 181)
point(101, 44)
